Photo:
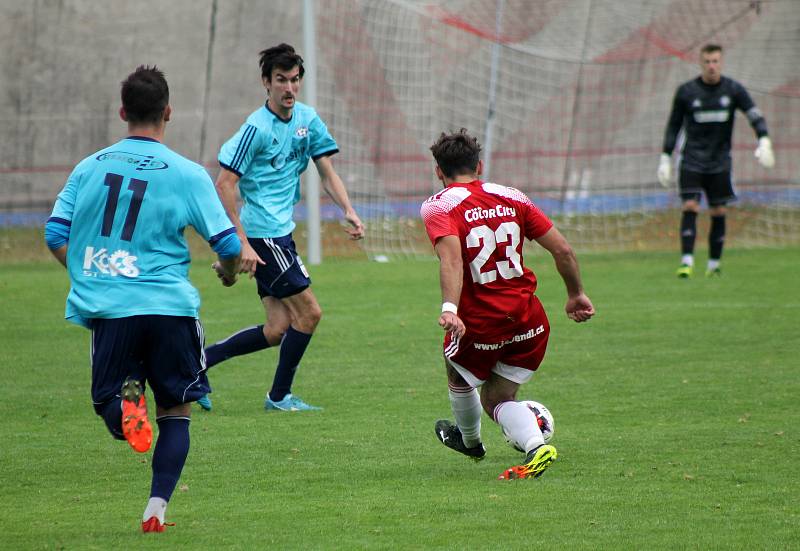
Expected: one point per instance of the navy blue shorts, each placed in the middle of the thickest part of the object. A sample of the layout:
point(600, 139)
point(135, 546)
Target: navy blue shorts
point(283, 273)
point(717, 187)
point(165, 351)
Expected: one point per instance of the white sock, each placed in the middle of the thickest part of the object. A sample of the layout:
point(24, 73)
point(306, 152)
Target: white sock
point(688, 259)
point(466, 406)
point(519, 425)
point(713, 264)
point(156, 507)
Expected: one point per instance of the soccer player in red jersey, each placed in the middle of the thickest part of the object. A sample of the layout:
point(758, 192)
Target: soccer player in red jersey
point(496, 328)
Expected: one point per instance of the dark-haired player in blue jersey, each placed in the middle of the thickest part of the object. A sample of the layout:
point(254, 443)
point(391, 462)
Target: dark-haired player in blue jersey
point(265, 158)
point(704, 110)
point(117, 226)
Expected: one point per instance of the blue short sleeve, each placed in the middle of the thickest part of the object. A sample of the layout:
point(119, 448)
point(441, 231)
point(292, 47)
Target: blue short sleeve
point(65, 203)
point(237, 153)
point(321, 141)
point(206, 213)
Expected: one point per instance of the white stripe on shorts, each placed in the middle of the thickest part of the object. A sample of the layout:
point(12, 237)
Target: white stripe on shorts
point(201, 334)
point(278, 254)
point(452, 348)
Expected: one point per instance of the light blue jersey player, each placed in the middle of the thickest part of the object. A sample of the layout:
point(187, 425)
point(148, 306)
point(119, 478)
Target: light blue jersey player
point(268, 154)
point(126, 208)
point(265, 158)
point(118, 227)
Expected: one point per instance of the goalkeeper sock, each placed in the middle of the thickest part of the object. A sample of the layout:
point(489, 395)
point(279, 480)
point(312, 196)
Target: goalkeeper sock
point(242, 342)
point(716, 237)
point(688, 231)
point(466, 406)
point(519, 424)
point(293, 346)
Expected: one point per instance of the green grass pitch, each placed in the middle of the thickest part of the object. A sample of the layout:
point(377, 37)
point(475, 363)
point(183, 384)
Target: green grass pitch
point(676, 421)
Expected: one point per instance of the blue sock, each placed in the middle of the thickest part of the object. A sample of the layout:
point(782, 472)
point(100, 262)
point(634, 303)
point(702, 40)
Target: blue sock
point(245, 341)
point(111, 412)
point(172, 447)
point(293, 346)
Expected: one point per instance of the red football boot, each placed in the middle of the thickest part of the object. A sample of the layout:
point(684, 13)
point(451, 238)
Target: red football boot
point(154, 525)
point(135, 425)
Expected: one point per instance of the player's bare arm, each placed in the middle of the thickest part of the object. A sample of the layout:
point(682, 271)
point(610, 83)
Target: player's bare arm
point(334, 187)
point(579, 308)
point(60, 254)
point(451, 273)
point(226, 189)
point(227, 270)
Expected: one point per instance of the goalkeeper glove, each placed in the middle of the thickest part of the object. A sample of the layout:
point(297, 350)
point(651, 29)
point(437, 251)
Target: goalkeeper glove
point(764, 152)
point(664, 170)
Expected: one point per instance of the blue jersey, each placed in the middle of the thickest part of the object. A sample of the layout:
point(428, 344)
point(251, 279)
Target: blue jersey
point(127, 207)
point(269, 154)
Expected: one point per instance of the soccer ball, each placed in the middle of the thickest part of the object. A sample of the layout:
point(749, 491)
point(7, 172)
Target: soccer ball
point(543, 417)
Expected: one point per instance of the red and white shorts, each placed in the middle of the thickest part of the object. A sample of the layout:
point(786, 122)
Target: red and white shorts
point(514, 358)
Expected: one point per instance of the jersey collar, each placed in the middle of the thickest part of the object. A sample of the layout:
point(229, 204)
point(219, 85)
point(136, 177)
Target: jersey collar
point(277, 116)
point(472, 183)
point(142, 138)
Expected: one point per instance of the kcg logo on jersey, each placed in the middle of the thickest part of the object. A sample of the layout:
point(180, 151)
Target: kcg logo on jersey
point(99, 261)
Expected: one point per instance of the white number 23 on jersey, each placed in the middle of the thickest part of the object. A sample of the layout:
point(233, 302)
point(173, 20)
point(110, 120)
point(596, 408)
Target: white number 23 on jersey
point(488, 240)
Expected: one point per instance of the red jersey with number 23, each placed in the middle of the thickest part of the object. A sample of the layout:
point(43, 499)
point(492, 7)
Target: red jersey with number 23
point(490, 221)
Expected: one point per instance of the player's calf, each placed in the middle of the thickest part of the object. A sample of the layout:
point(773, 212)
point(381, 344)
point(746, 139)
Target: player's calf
point(110, 412)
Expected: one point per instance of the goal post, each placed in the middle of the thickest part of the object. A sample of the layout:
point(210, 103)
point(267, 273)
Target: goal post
point(311, 177)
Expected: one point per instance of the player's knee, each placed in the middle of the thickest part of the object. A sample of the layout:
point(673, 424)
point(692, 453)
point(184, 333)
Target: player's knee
point(308, 320)
point(111, 412)
point(274, 334)
point(315, 315)
point(494, 395)
point(454, 378)
point(490, 401)
point(180, 410)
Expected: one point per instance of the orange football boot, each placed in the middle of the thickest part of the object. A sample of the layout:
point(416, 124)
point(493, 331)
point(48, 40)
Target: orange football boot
point(154, 525)
point(135, 425)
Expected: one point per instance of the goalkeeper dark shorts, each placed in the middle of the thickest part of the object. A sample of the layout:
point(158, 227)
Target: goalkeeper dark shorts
point(717, 187)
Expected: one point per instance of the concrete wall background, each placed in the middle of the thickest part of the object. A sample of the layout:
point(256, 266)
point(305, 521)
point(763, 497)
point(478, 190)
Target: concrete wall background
point(62, 62)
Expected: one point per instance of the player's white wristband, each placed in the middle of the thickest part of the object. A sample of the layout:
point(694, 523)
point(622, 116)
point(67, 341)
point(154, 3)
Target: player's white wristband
point(449, 307)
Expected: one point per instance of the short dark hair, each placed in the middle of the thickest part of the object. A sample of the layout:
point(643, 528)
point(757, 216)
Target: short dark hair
point(145, 95)
point(711, 48)
point(457, 153)
point(281, 56)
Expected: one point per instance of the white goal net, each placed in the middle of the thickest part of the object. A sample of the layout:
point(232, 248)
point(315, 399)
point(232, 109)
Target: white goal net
point(569, 98)
point(575, 112)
